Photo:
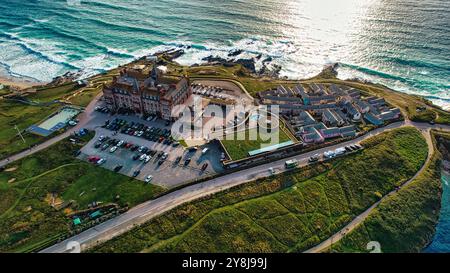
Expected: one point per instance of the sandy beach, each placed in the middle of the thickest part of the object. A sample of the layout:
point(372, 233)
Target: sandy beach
point(17, 83)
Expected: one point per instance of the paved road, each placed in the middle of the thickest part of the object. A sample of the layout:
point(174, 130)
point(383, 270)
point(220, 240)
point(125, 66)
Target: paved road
point(360, 218)
point(84, 118)
point(150, 209)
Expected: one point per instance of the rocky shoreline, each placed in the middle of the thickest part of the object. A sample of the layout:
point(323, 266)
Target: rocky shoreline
point(268, 69)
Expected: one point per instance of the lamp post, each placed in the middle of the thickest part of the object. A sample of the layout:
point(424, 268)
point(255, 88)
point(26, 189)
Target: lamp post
point(20, 134)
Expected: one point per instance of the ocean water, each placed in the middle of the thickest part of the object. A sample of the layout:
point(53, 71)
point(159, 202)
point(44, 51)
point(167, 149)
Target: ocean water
point(404, 44)
point(441, 240)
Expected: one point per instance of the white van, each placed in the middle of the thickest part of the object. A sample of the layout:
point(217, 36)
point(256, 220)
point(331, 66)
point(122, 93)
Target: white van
point(204, 151)
point(329, 154)
point(339, 151)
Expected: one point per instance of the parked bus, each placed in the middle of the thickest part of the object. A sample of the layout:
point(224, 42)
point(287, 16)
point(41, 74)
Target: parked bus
point(291, 164)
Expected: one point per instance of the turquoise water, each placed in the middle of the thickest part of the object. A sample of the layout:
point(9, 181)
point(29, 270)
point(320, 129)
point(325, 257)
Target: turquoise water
point(441, 240)
point(404, 43)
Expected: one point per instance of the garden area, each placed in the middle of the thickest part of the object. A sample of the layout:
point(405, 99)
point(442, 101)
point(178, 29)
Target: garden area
point(239, 145)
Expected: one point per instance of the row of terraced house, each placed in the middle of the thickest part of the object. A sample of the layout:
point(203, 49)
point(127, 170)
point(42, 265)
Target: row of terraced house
point(319, 112)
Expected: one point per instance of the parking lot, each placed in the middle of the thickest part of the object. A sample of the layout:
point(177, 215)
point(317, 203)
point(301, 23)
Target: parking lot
point(166, 161)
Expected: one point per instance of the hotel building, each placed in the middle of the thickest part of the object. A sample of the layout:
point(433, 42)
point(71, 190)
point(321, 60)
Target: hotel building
point(144, 90)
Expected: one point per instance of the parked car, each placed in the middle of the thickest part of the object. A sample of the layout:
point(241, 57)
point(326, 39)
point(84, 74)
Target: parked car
point(113, 149)
point(129, 145)
point(204, 166)
point(101, 161)
point(178, 159)
point(134, 148)
point(136, 173)
point(149, 179)
point(314, 158)
point(187, 161)
point(118, 168)
point(147, 159)
point(329, 154)
point(93, 158)
point(204, 151)
point(271, 171)
point(142, 157)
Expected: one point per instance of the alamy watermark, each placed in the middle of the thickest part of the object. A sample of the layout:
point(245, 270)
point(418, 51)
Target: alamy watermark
point(231, 122)
point(73, 247)
point(374, 247)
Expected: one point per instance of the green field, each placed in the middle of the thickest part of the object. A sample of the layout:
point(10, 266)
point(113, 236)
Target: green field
point(239, 149)
point(286, 213)
point(26, 216)
point(404, 222)
point(22, 115)
point(4, 91)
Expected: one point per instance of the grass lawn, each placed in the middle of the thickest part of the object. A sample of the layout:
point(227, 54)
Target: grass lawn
point(285, 213)
point(85, 97)
point(26, 216)
point(47, 94)
point(239, 149)
point(14, 113)
point(4, 91)
point(414, 208)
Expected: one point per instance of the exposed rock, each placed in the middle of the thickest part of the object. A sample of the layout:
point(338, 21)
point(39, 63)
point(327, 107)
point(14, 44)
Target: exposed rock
point(235, 52)
point(267, 60)
point(249, 64)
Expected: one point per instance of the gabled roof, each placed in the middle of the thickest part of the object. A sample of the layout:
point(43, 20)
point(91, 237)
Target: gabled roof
point(330, 131)
point(313, 136)
point(348, 128)
point(373, 119)
point(387, 115)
